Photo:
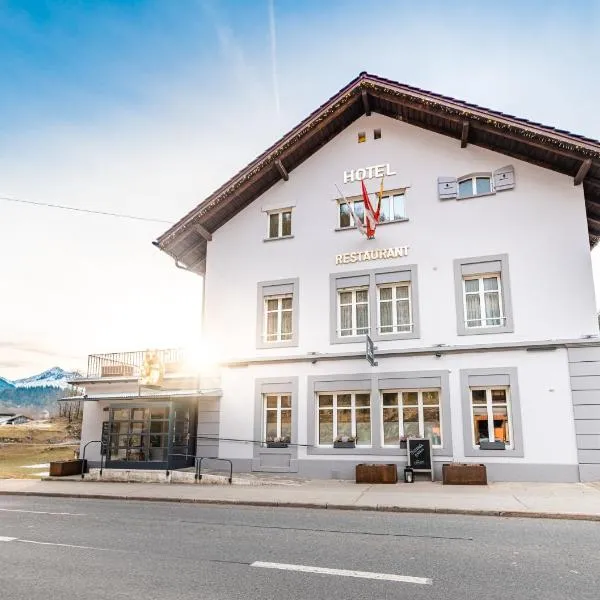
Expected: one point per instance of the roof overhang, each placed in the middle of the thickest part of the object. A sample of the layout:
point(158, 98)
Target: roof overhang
point(550, 148)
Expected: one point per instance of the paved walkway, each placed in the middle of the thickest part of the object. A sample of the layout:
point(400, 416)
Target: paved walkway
point(561, 500)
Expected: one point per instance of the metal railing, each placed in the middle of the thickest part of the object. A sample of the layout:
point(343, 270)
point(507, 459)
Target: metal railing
point(199, 459)
point(128, 364)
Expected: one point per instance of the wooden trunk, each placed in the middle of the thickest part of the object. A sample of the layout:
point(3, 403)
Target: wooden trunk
point(376, 473)
point(63, 468)
point(464, 474)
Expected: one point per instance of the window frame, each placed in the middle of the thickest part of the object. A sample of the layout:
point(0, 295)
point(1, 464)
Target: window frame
point(498, 265)
point(499, 377)
point(270, 289)
point(481, 292)
point(473, 178)
point(420, 406)
point(279, 212)
point(278, 410)
point(394, 302)
point(280, 310)
point(354, 308)
point(490, 413)
point(335, 409)
point(358, 199)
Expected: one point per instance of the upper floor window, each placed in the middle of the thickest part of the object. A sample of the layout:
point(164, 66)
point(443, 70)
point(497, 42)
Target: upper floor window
point(278, 318)
point(483, 301)
point(482, 292)
point(277, 313)
point(280, 224)
point(392, 209)
point(476, 185)
point(353, 311)
point(394, 308)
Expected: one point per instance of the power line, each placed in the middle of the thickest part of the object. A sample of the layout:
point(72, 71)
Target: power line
point(86, 210)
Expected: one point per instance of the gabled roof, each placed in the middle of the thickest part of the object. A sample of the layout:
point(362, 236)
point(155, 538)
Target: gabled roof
point(548, 147)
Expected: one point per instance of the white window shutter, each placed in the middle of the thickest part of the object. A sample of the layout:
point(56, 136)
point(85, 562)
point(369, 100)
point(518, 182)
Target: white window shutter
point(504, 178)
point(447, 188)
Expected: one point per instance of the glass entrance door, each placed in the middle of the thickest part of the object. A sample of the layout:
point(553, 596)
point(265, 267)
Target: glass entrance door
point(182, 438)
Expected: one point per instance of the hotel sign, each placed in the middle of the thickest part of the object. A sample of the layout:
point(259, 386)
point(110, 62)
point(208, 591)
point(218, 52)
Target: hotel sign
point(368, 173)
point(364, 255)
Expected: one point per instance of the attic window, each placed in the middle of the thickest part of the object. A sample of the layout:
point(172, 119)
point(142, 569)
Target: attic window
point(376, 134)
point(362, 137)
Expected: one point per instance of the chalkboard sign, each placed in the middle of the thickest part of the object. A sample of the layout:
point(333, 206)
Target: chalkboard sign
point(105, 437)
point(419, 454)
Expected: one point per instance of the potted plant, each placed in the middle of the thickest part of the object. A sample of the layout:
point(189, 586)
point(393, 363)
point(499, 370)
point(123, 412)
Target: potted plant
point(278, 441)
point(345, 441)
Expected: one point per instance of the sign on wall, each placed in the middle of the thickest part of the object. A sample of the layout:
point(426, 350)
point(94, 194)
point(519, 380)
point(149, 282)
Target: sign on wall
point(364, 255)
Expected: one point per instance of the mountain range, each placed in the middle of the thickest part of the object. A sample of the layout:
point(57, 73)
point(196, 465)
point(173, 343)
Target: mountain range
point(38, 390)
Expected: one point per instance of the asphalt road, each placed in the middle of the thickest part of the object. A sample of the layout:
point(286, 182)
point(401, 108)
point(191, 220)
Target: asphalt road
point(109, 549)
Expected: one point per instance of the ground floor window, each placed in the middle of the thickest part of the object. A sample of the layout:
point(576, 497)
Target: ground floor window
point(139, 434)
point(490, 410)
point(411, 413)
point(277, 412)
point(346, 414)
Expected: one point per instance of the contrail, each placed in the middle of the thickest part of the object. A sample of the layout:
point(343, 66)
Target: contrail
point(274, 57)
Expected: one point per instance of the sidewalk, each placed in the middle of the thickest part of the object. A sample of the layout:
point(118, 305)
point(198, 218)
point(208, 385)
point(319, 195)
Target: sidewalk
point(542, 500)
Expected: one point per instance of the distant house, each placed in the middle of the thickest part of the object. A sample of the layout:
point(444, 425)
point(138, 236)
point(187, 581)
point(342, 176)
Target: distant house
point(13, 419)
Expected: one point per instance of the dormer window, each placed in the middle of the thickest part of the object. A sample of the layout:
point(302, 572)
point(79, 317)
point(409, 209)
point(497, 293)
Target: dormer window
point(280, 224)
point(476, 185)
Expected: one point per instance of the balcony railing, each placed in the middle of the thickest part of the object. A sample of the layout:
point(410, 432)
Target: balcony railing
point(128, 364)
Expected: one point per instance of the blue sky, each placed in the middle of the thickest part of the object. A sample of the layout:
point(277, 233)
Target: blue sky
point(145, 107)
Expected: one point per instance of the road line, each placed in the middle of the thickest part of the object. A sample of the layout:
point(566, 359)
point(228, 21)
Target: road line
point(343, 573)
point(63, 545)
point(42, 512)
point(6, 539)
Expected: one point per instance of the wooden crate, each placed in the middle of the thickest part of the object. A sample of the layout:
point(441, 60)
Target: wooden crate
point(464, 474)
point(376, 473)
point(116, 371)
point(64, 468)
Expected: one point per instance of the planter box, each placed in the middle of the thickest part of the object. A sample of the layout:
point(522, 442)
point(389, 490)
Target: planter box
point(277, 444)
point(116, 371)
point(344, 444)
point(492, 445)
point(376, 473)
point(64, 468)
point(464, 474)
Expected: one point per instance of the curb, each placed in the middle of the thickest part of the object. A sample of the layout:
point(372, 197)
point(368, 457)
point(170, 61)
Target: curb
point(323, 506)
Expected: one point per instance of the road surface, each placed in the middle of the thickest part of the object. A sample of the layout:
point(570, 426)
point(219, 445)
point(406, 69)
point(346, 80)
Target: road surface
point(104, 549)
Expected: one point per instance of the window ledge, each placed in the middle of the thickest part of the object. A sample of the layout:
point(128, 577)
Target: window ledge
point(486, 330)
point(288, 344)
point(475, 196)
point(276, 239)
point(353, 228)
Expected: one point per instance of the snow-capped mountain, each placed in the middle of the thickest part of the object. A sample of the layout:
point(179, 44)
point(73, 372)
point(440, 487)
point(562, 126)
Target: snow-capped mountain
point(5, 384)
point(54, 377)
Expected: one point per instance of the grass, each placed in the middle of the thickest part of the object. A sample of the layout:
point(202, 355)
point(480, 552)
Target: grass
point(34, 443)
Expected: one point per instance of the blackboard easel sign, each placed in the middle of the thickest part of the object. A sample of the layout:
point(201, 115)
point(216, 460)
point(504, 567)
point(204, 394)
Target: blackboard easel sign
point(419, 455)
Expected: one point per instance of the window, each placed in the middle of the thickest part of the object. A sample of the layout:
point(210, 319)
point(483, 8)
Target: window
point(474, 186)
point(280, 224)
point(277, 417)
point(490, 409)
point(278, 318)
point(353, 311)
point(362, 137)
point(344, 414)
point(277, 313)
point(382, 303)
point(482, 293)
point(376, 134)
point(411, 414)
point(394, 309)
point(392, 208)
point(483, 301)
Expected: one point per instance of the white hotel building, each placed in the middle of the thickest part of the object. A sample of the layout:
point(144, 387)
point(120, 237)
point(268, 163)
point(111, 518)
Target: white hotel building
point(477, 291)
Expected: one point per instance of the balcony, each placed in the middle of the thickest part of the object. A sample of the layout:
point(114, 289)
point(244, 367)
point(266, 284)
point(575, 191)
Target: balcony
point(129, 364)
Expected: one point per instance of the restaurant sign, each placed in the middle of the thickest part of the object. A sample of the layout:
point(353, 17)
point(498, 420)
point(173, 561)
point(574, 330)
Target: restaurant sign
point(365, 255)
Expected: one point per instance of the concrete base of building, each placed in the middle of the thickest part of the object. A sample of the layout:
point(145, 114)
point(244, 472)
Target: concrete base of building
point(588, 473)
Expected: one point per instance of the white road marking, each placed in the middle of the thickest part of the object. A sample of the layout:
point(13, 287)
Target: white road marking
point(41, 512)
point(63, 545)
point(344, 573)
point(6, 539)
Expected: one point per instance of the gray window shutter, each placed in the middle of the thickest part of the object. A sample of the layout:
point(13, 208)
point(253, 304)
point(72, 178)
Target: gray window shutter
point(504, 178)
point(447, 188)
